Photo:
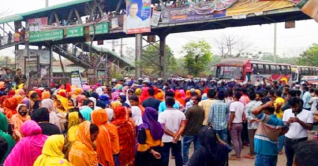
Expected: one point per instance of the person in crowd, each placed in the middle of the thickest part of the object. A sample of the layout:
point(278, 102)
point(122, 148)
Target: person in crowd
point(306, 153)
point(4, 126)
point(8, 79)
point(62, 104)
point(135, 110)
point(10, 106)
point(306, 98)
point(278, 103)
point(179, 98)
point(316, 121)
point(103, 141)
point(86, 113)
point(42, 117)
point(122, 99)
point(162, 105)
point(18, 119)
point(195, 117)
point(46, 95)
point(299, 121)
point(80, 100)
point(82, 152)
point(252, 121)
point(54, 119)
point(218, 115)
point(149, 137)
point(207, 104)
point(53, 152)
point(235, 126)
point(266, 137)
point(313, 102)
point(32, 141)
point(174, 123)
point(74, 119)
point(126, 134)
point(212, 151)
point(3, 149)
point(19, 78)
point(151, 101)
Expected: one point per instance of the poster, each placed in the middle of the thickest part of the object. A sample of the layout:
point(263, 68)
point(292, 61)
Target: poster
point(310, 7)
point(37, 23)
point(155, 18)
point(76, 78)
point(44, 56)
point(138, 16)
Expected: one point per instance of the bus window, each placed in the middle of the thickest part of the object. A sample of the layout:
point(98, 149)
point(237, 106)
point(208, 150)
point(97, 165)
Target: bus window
point(288, 70)
point(273, 69)
point(285, 70)
point(260, 69)
point(254, 68)
point(226, 72)
point(267, 69)
point(279, 69)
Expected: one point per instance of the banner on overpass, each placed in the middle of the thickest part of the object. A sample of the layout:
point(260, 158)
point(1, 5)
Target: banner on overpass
point(46, 35)
point(138, 16)
point(310, 7)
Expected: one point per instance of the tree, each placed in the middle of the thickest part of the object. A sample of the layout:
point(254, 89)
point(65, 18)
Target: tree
point(309, 57)
point(231, 45)
point(197, 56)
point(151, 59)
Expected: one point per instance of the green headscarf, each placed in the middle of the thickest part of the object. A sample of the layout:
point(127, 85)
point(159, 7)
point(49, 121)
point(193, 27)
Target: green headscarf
point(3, 134)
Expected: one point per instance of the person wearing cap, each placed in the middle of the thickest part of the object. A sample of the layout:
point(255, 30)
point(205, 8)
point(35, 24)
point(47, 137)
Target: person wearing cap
point(20, 78)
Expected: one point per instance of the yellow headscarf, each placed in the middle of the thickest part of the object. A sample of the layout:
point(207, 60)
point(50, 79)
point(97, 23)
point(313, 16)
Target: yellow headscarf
point(64, 102)
point(52, 154)
point(138, 91)
point(77, 92)
point(73, 122)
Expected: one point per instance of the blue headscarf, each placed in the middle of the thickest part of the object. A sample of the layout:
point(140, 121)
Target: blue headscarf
point(86, 113)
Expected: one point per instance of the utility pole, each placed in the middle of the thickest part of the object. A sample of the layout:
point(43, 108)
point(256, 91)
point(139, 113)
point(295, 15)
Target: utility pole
point(275, 40)
point(121, 47)
point(46, 3)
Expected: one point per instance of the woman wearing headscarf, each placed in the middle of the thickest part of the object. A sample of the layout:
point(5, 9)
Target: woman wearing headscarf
point(126, 133)
point(62, 110)
point(87, 113)
point(7, 137)
point(80, 100)
point(104, 98)
point(42, 117)
point(108, 135)
point(211, 152)
point(10, 106)
point(74, 119)
point(144, 95)
point(82, 152)
point(77, 92)
point(34, 101)
point(18, 119)
point(99, 103)
point(160, 95)
point(54, 119)
point(122, 99)
point(29, 147)
point(149, 140)
point(178, 97)
point(46, 95)
point(52, 152)
point(11, 93)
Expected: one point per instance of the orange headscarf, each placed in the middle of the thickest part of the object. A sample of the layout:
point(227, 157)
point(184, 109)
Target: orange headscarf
point(160, 95)
point(198, 92)
point(46, 95)
point(77, 92)
point(10, 105)
point(105, 137)
point(115, 104)
point(178, 97)
point(82, 152)
point(188, 94)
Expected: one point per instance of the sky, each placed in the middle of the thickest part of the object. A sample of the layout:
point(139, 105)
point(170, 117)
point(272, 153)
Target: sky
point(260, 38)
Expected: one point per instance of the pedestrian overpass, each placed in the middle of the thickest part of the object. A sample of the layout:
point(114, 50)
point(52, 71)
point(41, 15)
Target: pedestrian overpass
point(175, 18)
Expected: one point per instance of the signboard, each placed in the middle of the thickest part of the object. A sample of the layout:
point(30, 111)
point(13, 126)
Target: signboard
point(44, 56)
point(138, 16)
point(76, 78)
point(74, 32)
point(100, 28)
point(36, 24)
point(46, 35)
point(155, 18)
point(309, 7)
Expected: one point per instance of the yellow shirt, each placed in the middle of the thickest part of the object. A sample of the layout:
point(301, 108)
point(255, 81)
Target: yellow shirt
point(206, 105)
point(280, 101)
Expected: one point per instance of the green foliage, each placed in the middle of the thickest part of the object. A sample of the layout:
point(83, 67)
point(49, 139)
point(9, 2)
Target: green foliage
point(197, 56)
point(309, 57)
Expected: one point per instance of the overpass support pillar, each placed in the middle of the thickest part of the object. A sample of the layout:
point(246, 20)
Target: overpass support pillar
point(138, 49)
point(163, 59)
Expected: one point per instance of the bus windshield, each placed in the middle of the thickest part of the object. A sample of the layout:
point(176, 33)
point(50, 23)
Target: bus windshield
point(228, 72)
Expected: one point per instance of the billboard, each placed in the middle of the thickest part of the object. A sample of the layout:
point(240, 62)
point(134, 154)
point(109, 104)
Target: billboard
point(36, 24)
point(138, 16)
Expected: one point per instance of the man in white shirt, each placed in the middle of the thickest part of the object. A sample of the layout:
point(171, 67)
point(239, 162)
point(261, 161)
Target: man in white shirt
point(174, 123)
point(235, 125)
point(299, 121)
point(133, 21)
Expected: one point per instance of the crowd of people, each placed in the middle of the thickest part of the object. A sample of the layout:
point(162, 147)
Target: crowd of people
point(139, 123)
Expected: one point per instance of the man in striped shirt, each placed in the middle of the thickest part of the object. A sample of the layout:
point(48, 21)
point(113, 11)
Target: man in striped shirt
point(267, 133)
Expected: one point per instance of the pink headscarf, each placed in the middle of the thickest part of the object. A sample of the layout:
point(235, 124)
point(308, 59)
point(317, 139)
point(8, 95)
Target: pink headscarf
point(54, 119)
point(29, 147)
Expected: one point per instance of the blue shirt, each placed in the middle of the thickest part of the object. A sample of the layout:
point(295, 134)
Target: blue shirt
point(218, 115)
point(267, 133)
point(306, 98)
point(163, 107)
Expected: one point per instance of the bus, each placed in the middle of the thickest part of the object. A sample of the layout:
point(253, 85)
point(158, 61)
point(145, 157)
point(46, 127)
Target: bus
point(245, 70)
point(304, 73)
